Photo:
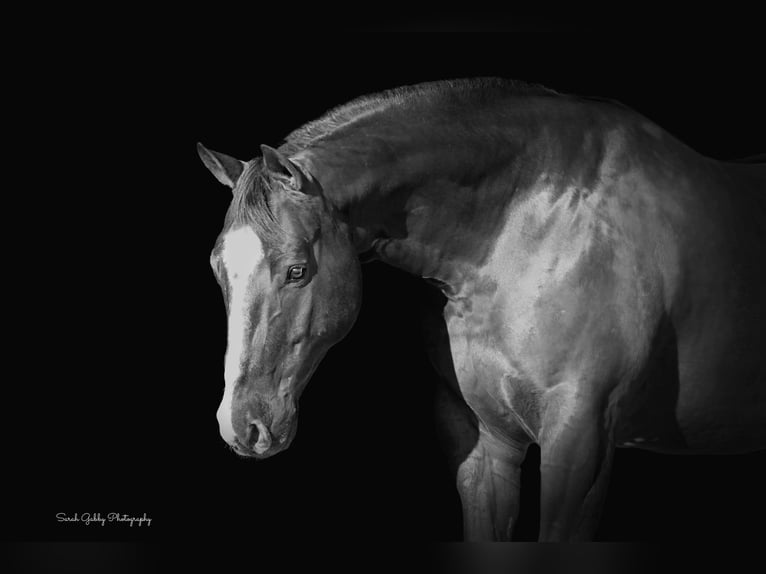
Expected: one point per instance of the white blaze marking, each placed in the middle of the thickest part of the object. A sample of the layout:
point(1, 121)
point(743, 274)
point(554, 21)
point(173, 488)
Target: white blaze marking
point(242, 253)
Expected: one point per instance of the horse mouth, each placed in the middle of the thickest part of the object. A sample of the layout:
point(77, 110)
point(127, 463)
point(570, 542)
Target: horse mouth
point(244, 452)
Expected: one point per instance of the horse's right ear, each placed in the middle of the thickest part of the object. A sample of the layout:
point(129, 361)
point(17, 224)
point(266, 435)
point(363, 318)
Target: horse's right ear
point(226, 169)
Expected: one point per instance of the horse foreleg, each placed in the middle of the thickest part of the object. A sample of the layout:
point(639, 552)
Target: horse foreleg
point(576, 456)
point(487, 471)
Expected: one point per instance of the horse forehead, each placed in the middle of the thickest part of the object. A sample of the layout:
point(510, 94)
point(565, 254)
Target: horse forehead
point(242, 252)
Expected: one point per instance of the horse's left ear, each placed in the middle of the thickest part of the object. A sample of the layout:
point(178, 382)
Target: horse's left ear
point(280, 166)
point(226, 169)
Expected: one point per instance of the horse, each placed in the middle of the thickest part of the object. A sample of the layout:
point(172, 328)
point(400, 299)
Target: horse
point(604, 284)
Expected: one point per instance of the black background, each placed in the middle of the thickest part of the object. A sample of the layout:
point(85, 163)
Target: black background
point(122, 332)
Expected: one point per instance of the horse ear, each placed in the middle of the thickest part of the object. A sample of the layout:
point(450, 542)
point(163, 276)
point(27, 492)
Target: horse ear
point(280, 166)
point(226, 169)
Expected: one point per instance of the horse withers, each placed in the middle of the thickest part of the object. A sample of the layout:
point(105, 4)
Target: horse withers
point(604, 283)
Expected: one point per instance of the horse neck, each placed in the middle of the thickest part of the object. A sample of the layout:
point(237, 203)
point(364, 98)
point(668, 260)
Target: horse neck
point(428, 196)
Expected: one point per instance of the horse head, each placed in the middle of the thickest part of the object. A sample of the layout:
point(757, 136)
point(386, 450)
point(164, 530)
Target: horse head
point(291, 282)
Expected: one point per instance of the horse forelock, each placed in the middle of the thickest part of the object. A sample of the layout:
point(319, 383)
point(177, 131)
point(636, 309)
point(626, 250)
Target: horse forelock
point(250, 202)
point(251, 206)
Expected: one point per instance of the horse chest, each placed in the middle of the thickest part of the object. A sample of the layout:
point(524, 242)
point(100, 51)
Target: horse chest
point(510, 345)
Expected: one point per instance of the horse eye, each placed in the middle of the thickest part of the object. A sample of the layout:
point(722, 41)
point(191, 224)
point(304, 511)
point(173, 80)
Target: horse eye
point(296, 272)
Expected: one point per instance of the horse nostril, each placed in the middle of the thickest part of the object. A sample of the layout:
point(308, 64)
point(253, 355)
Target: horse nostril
point(258, 437)
point(253, 433)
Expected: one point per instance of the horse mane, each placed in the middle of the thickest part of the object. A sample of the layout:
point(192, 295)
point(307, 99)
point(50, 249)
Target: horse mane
point(463, 90)
point(250, 203)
